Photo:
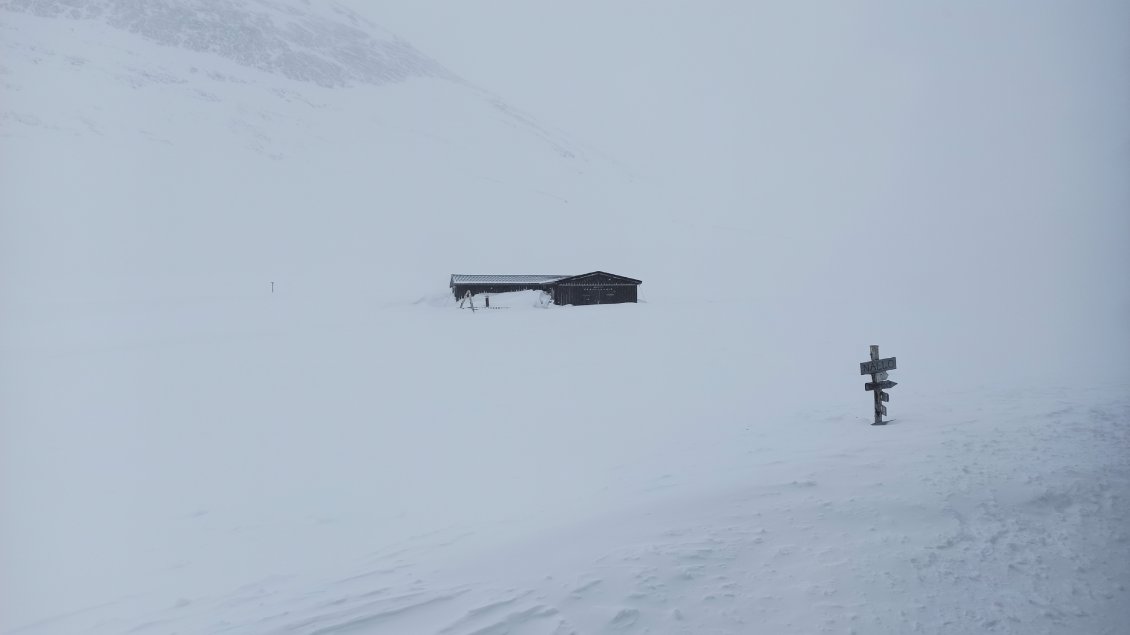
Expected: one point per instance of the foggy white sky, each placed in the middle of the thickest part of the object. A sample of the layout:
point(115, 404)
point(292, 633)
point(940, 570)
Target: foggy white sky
point(972, 157)
point(984, 147)
point(948, 180)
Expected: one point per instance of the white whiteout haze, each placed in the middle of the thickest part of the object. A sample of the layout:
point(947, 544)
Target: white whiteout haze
point(184, 450)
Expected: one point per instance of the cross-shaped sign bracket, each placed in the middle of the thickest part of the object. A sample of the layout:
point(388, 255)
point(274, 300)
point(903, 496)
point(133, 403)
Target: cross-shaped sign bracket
point(879, 383)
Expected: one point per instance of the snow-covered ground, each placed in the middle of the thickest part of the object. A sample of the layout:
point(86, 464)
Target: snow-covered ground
point(327, 475)
point(184, 449)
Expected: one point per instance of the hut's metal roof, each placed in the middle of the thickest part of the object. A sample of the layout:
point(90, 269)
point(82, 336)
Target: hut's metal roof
point(579, 279)
point(460, 278)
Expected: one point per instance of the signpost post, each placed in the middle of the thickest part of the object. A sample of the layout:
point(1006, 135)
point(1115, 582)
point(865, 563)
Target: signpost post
point(878, 368)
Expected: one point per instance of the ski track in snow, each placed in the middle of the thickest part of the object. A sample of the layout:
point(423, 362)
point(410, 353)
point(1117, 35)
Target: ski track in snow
point(1000, 521)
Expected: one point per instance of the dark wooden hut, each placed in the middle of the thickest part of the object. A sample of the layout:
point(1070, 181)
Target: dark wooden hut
point(597, 287)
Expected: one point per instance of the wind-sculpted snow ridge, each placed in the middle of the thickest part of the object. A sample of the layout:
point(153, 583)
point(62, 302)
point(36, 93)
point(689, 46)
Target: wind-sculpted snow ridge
point(329, 45)
point(1008, 519)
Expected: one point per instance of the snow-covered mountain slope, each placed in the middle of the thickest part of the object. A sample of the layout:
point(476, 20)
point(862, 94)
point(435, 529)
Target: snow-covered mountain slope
point(324, 43)
point(184, 450)
point(203, 161)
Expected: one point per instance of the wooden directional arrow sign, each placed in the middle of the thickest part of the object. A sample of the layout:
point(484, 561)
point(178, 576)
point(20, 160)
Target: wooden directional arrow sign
point(879, 385)
point(877, 366)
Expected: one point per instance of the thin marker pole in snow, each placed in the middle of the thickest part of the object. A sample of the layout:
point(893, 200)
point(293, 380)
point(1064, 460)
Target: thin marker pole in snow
point(272, 287)
point(875, 377)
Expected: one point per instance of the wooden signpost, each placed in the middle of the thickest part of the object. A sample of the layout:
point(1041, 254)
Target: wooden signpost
point(878, 368)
